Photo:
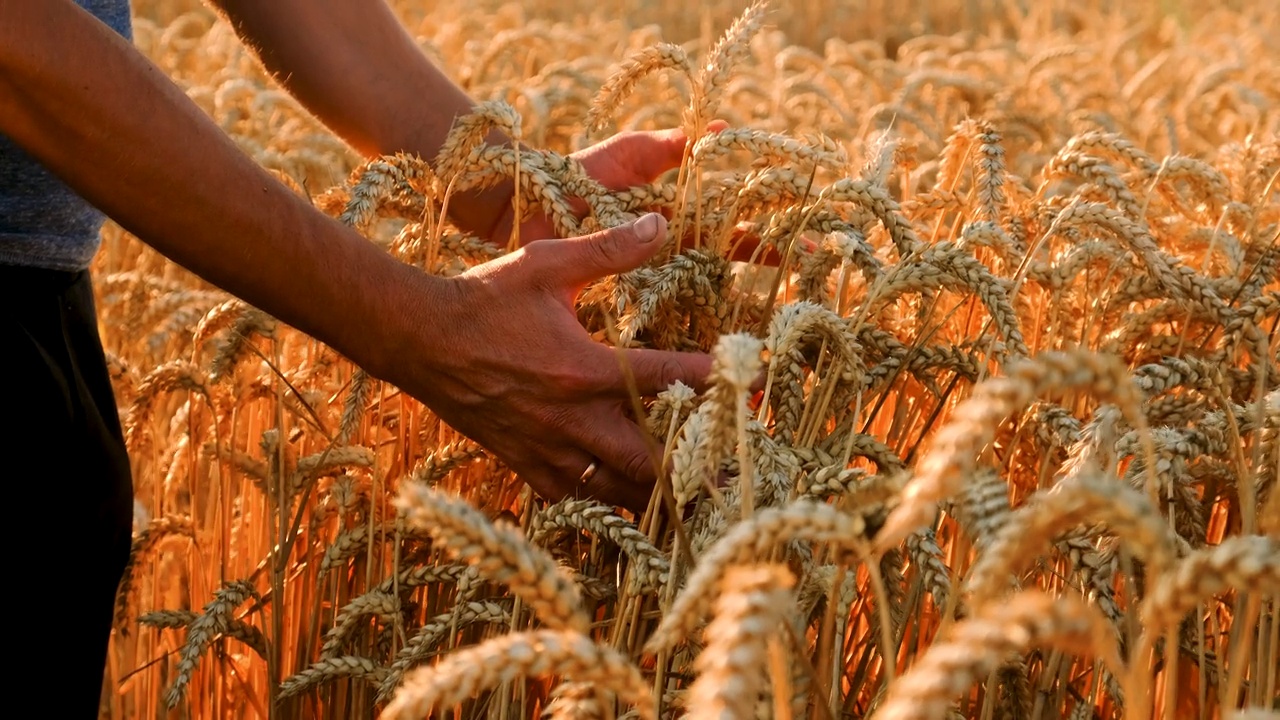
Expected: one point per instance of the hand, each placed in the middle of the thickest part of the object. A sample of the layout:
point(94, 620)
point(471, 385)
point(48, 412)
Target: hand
point(506, 363)
point(626, 160)
point(622, 161)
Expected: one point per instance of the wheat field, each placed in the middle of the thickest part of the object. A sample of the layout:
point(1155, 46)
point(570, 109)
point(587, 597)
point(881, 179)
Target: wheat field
point(1015, 302)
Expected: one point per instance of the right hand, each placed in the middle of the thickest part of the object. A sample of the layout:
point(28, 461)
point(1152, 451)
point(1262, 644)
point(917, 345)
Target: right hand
point(505, 362)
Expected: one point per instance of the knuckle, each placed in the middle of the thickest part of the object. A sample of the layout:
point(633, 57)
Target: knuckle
point(669, 371)
point(538, 252)
point(606, 249)
point(638, 468)
point(574, 384)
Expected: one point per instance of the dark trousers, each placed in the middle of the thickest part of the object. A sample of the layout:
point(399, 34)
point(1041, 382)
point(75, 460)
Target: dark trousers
point(68, 467)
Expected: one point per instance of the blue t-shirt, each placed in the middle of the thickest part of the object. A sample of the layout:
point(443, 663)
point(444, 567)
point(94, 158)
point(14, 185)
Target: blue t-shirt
point(43, 223)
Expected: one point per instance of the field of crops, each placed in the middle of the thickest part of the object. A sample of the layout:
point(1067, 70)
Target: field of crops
point(1014, 297)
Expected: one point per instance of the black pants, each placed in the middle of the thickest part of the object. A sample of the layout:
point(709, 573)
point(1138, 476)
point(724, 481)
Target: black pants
point(73, 489)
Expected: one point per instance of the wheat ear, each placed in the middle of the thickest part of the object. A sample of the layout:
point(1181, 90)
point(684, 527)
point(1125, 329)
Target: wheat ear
point(464, 674)
point(1244, 563)
point(214, 621)
point(978, 645)
point(1085, 498)
point(748, 541)
point(248, 634)
point(633, 70)
point(650, 568)
point(500, 553)
point(331, 668)
point(754, 603)
point(950, 460)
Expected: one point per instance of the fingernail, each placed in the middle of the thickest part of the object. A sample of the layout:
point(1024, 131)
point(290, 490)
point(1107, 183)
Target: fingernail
point(647, 227)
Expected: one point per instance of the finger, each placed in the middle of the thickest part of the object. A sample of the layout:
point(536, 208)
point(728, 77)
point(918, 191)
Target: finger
point(620, 444)
point(657, 151)
point(536, 228)
point(653, 371)
point(574, 262)
point(629, 463)
point(650, 154)
point(547, 480)
point(606, 484)
point(611, 487)
point(558, 474)
point(619, 455)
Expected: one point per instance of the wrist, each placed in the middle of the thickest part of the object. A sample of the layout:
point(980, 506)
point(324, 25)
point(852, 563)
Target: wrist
point(413, 310)
point(361, 301)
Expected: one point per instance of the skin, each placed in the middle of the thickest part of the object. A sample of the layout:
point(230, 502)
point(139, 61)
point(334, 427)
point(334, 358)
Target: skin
point(497, 352)
point(353, 65)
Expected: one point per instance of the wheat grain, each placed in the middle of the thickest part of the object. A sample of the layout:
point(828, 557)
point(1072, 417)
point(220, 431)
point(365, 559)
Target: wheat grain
point(463, 674)
point(751, 540)
point(1244, 563)
point(977, 645)
point(499, 553)
point(754, 602)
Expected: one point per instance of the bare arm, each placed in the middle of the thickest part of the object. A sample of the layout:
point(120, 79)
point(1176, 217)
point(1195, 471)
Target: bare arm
point(353, 65)
point(496, 352)
point(93, 110)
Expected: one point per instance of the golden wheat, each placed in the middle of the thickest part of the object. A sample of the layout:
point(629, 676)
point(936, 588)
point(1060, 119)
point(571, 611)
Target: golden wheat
point(992, 299)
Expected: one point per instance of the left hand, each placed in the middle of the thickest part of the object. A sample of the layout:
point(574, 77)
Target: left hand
point(622, 161)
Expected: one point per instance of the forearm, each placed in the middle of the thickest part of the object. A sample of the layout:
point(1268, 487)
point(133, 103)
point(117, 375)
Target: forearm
point(353, 65)
point(111, 125)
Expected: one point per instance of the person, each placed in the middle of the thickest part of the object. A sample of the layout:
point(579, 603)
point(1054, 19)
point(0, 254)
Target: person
point(89, 127)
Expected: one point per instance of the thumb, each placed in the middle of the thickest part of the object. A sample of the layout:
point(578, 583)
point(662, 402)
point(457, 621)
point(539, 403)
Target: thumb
point(581, 260)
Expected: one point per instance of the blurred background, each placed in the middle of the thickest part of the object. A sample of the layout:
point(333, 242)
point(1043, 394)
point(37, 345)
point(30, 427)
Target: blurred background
point(811, 22)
